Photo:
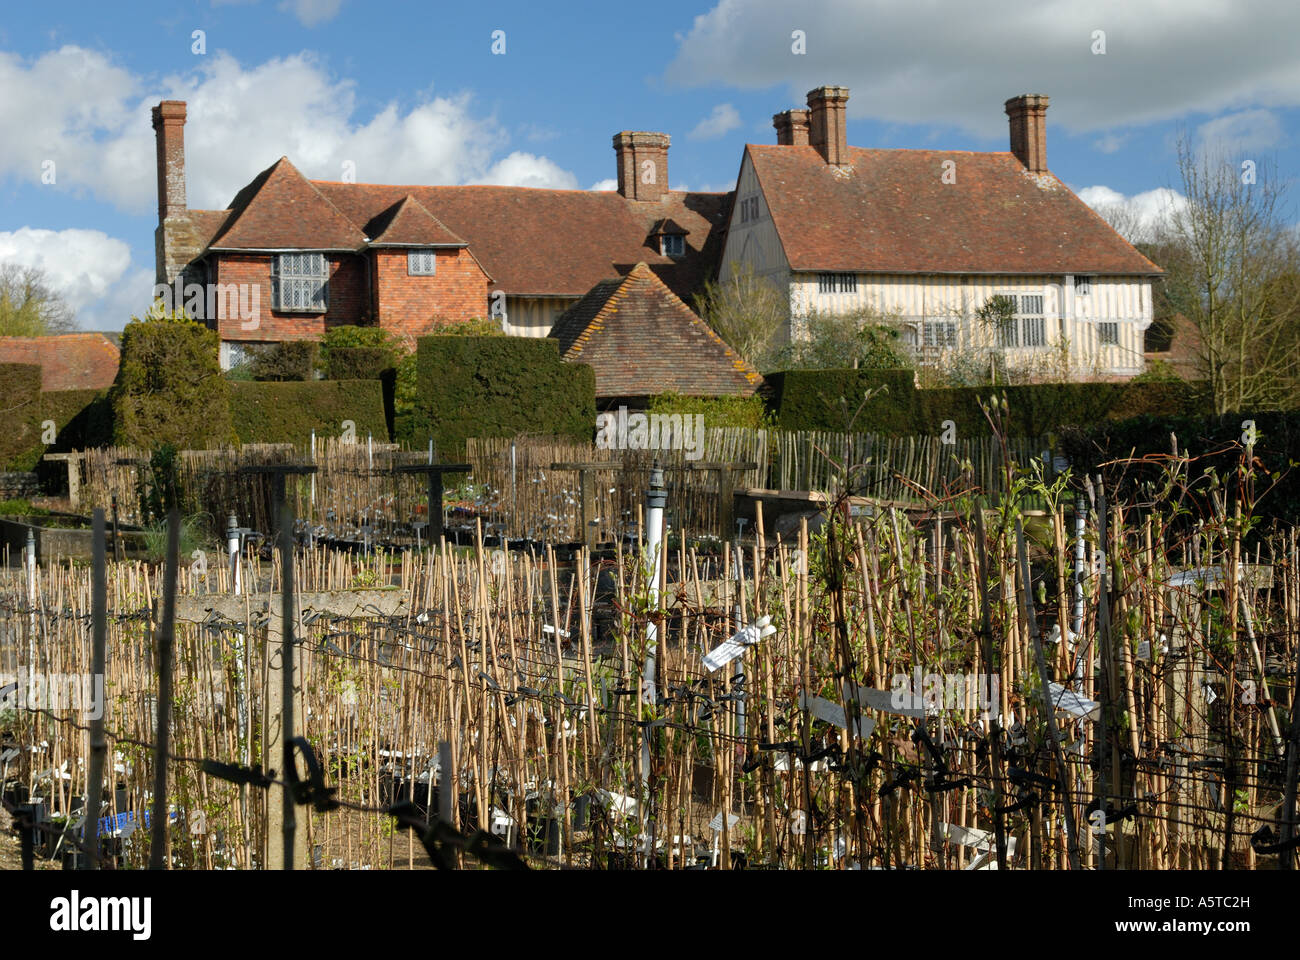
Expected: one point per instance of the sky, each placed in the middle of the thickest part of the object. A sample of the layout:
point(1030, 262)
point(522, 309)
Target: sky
point(530, 94)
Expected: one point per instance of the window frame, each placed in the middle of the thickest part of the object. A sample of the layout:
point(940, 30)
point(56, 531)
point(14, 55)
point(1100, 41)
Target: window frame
point(834, 283)
point(1083, 286)
point(946, 342)
point(1027, 329)
point(283, 281)
point(431, 253)
point(672, 239)
point(1105, 326)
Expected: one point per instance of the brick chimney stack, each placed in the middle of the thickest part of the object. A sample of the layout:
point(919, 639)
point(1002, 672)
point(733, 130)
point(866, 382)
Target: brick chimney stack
point(826, 129)
point(169, 133)
point(791, 128)
point(1028, 113)
point(642, 164)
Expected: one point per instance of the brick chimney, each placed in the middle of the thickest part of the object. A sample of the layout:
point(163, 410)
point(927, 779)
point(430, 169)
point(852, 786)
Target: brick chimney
point(1028, 113)
point(642, 164)
point(791, 128)
point(169, 133)
point(826, 123)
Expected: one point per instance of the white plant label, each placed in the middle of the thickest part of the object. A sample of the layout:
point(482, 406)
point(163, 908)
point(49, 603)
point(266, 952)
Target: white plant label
point(724, 653)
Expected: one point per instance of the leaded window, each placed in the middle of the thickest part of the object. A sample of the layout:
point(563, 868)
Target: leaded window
point(421, 263)
point(300, 282)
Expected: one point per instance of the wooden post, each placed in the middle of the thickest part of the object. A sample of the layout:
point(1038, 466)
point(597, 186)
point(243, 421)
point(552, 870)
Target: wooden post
point(587, 495)
point(73, 461)
point(98, 745)
point(726, 493)
point(158, 858)
point(434, 472)
point(340, 603)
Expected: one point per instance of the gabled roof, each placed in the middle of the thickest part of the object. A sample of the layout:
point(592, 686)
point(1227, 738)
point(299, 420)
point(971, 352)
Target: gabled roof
point(71, 361)
point(667, 226)
point(556, 242)
point(890, 211)
point(407, 223)
point(642, 340)
point(281, 210)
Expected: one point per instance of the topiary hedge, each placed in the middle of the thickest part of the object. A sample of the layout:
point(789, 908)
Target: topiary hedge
point(289, 412)
point(732, 411)
point(829, 399)
point(811, 400)
point(80, 418)
point(497, 387)
point(38, 422)
point(288, 360)
point(358, 363)
point(169, 387)
point(20, 391)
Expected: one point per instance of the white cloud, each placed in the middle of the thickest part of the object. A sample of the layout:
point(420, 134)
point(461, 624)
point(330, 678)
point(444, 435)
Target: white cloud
point(955, 63)
point(719, 123)
point(312, 12)
point(91, 117)
point(528, 170)
point(610, 183)
point(1111, 142)
point(1239, 132)
point(89, 269)
point(1138, 217)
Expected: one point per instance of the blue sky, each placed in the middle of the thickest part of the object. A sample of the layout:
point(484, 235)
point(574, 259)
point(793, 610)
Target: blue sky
point(413, 93)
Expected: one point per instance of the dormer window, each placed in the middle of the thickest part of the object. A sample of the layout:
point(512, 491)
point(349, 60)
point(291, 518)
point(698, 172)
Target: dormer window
point(672, 245)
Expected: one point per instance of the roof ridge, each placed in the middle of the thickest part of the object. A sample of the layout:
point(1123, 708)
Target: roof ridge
point(499, 186)
point(286, 174)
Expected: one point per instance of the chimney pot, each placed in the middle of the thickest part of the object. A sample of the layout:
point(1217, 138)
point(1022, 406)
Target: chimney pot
point(826, 129)
point(1028, 119)
point(791, 128)
point(642, 164)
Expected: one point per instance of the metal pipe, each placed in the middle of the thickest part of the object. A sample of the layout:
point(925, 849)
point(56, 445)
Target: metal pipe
point(656, 498)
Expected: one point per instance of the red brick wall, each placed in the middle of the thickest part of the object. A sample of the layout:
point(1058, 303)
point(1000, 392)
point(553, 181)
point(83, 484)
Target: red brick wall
point(361, 287)
point(414, 306)
point(347, 298)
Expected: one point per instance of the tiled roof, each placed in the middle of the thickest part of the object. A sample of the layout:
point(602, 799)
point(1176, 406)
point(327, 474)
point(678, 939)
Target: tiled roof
point(206, 224)
point(667, 226)
point(642, 340)
point(890, 211)
point(281, 210)
point(557, 242)
point(72, 361)
point(408, 223)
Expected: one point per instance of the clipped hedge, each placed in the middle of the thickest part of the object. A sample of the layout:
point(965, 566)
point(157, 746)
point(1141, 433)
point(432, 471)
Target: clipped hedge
point(82, 419)
point(750, 412)
point(497, 387)
point(1214, 441)
point(20, 391)
point(358, 363)
point(289, 360)
point(811, 400)
point(288, 412)
point(169, 387)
